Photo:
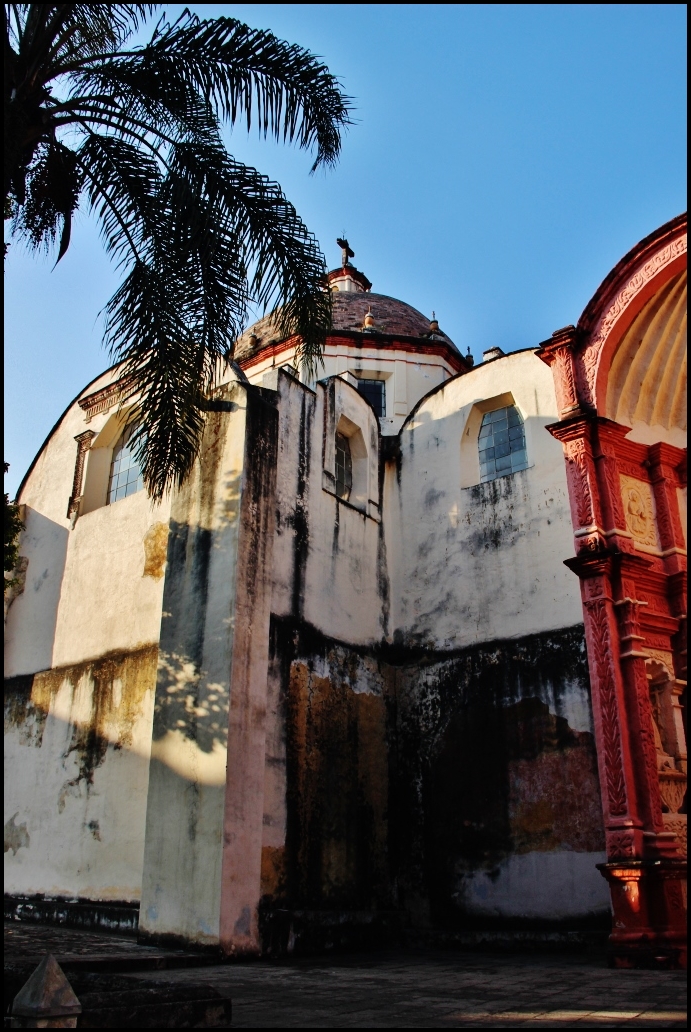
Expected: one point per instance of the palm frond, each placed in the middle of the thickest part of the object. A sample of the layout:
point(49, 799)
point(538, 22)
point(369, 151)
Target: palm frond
point(197, 234)
point(243, 72)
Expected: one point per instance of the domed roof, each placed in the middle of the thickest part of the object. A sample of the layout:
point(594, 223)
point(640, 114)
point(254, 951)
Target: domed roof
point(390, 316)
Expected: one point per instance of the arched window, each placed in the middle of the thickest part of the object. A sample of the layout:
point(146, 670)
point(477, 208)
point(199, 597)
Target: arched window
point(344, 467)
point(502, 443)
point(125, 474)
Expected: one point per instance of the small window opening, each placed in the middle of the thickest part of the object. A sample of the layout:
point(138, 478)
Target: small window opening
point(125, 474)
point(375, 392)
point(344, 467)
point(502, 443)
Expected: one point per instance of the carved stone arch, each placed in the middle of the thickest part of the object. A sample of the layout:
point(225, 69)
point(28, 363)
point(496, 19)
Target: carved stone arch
point(623, 295)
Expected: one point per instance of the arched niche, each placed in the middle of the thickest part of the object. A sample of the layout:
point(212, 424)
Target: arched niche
point(358, 453)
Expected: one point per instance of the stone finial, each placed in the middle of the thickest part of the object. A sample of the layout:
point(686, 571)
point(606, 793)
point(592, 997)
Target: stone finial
point(46, 999)
point(369, 320)
point(434, 324)
point(469, 358)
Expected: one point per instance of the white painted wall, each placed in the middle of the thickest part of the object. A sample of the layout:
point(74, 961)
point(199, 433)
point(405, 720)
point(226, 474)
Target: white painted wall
point(339, 592)
point(85, 591)
point(557, 885)
point(408, 377)
point(475, 563)
point(83, 829)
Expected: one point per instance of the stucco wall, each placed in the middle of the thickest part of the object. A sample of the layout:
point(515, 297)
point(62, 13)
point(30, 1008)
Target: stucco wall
point(77, 743)
point(460, 788)
point(327, 562)
point(93, 586)
point(484, 561)
point(204, 815)
point(80, 654)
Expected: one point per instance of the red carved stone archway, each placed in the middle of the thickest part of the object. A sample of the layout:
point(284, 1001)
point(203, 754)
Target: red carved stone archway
point(630, 556)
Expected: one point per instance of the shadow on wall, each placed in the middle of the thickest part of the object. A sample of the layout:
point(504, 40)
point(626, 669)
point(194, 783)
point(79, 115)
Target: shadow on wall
point(192, 701)
point(77, 744)
point(44, 543)
point(414, 780)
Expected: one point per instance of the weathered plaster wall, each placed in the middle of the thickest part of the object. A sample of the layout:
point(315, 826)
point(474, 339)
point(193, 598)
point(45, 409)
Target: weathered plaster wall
point(327, 561)
point(105, 564)
point(77, 742)
point(373, 630)
point(80, 654)
point(458, 788)
point(484, 561)
point(204, 815)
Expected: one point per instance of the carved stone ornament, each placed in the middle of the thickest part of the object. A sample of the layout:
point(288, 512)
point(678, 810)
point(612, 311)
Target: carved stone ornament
point(639, 511)
point(620, 845)
point(590, 357)
point(672, 789)
point(604, 684)
point(677, 823)
point(662, 656)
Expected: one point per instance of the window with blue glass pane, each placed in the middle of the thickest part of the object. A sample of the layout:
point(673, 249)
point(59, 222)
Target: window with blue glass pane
point(125, 474)
point(502, 443)
point(375, 392)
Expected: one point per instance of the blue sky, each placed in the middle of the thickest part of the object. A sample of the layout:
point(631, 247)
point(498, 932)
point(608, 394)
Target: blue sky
point(503, 158)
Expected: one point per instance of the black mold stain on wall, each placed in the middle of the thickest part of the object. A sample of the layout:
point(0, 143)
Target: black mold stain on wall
point(409, 771)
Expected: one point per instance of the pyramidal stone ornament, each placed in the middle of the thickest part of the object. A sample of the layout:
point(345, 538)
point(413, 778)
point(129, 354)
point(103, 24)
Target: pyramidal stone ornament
point(46, 1000)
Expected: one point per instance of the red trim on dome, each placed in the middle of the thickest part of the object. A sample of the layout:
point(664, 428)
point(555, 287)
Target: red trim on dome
point(374, 341)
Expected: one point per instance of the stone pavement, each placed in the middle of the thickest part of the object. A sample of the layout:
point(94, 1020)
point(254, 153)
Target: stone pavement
point(397, 989)
point(445, 990)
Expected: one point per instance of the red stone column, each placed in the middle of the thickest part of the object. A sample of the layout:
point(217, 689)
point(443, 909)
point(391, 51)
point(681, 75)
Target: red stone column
point(667, 468)
point(644, 869)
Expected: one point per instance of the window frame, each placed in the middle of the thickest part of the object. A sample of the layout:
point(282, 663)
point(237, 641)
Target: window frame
point(137, 484)
point(372, 382)
point(503, 426)
point(344, 485)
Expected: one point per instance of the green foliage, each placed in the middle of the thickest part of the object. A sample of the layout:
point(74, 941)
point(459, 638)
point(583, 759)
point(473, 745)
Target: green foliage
point(13, 528)
point(135, 135)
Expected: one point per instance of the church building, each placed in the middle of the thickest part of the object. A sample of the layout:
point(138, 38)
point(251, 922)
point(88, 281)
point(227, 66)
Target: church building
point(403, 660)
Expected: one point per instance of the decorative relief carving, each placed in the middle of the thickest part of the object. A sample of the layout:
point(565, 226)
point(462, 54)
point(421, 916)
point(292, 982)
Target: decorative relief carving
point(103, 399)
point(632, 469)
point(602, 647)
point(672, 790)
point(596, 587)
point(662, 656)
point(678, 824)
point(646, 730)
point(639, 510)
point(564, 378)
point(577, 470)
point(83, 444)
point(609, 464)
point(620, 845)
point(657, 641)
point(590, 357)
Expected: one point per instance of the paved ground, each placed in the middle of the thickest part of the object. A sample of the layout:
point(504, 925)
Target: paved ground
point(446, 990)
point(400, 989)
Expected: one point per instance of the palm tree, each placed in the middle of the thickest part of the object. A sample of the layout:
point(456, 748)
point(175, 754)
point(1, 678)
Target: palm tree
point(135, 134)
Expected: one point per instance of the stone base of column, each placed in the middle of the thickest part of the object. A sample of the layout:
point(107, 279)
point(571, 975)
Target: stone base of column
point(648, 913)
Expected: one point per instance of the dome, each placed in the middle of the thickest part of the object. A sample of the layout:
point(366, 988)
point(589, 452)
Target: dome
point(390, 316)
